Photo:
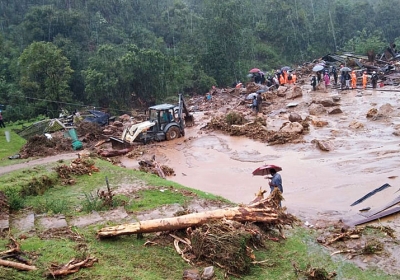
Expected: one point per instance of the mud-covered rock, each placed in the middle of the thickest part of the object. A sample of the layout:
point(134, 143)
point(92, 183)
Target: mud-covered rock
point(292, 127)
point(295, 117)
point(294, 93)
point(335, 110)
point(316, 109)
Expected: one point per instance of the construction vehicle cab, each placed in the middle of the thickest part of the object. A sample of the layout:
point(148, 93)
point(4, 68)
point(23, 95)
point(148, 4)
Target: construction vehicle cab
point(165, 122)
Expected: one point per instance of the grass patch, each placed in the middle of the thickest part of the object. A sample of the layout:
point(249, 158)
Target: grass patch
point(10, 148)
point(126, 257)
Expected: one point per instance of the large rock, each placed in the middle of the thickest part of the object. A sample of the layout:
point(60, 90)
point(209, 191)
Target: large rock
point(294, 117)
point(356, 125)
point(325, 102)
point(323, 145)
point(316, 109)
point(282, 91)
point(318, 122)
point(335, 110)
point(372, 113)
point(294, 93)
point(292, 127)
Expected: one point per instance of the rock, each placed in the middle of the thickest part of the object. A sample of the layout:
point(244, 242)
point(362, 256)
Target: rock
point(208, 273)
point(396, 132)
point(372, 113)
point(356, 125)
point(319, 122)
point(191, 274)
point(335, 110)
point(57, 221)
point(323, 145)
point(336, 98)
point(282, 91)
point(292, 127)
point(386, 110)
point(326, 102)
point(316, 109)
point(295, 117)
point(294, 93)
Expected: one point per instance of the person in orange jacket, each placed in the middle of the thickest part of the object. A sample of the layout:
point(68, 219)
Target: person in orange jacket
point(282, 80)
point(353, 80)
point(364, 80)
point(294, 77)
point(285, 76)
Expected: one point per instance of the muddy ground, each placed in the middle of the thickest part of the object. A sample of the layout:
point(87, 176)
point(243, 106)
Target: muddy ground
point(319, 185)
point(359, 153)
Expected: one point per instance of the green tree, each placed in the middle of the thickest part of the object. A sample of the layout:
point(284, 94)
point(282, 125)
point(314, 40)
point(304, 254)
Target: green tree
point(45, 73)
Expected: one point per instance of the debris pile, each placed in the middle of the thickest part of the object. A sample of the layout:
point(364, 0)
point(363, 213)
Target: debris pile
point(71, 267)
point(41, 146)
point(19, 261)
point(79, 166)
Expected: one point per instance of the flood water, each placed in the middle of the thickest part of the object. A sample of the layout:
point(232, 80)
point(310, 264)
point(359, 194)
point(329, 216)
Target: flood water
point(316, 183)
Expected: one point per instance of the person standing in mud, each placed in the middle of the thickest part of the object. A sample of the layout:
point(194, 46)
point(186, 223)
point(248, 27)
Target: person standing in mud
point(335, 76)
point(314, 82)
point(353, 80)
point(364, 80)
point(374, 80)
point(347, 79)
point(275, 182)
point(259, 102)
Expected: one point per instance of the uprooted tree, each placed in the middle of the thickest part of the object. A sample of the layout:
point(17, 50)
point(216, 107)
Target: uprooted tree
point(266, 210)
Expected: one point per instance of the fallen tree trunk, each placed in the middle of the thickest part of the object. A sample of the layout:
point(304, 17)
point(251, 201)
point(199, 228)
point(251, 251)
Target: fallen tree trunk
point(265, 211)
point(19, 266)
point(114, 153)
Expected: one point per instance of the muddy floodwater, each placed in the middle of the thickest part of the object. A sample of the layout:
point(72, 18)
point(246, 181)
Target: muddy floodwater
point(316, 183)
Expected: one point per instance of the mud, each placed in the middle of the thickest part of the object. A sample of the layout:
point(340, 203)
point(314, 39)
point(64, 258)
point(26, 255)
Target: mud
point(316, 183)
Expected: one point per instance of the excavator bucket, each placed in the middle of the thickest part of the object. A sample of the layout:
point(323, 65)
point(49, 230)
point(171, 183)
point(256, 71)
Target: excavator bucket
point(189, 120)
point(119, 144)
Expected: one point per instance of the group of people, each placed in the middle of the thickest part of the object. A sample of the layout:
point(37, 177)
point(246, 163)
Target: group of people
point(348, 79)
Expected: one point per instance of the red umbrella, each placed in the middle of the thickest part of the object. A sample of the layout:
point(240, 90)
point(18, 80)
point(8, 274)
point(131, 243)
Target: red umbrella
point(255, 70)
point(265, 169)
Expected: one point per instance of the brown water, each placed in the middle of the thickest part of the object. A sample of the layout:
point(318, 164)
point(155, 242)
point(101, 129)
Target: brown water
point(316, 183)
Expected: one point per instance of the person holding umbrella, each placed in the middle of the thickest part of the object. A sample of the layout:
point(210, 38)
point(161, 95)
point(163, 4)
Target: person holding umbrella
point(276, 180)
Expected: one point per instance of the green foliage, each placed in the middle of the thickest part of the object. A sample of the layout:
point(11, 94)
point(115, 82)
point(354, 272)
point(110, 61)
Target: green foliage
point(45, 73)
point(38, 185)
point(365, 42)
point(15, 201)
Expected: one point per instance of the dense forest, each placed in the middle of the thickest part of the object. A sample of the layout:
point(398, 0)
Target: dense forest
point(118, 54)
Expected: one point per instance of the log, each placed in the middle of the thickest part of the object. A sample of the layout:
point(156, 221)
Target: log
point(114, 153)
point(264, 210)
point(19, 266)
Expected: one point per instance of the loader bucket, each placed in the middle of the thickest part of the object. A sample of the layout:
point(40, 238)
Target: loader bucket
point(189, 120)
point(119, 144)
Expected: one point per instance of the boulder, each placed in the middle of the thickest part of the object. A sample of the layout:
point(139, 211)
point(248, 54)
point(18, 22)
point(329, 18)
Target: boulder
point(323, 145)
point(372, 113)
point(292, 127)
point(356, 125)
point(294, 93)
point(316, 109)
point(319, 122)
point(295, 117)
point(335, 110)
point(325, 102)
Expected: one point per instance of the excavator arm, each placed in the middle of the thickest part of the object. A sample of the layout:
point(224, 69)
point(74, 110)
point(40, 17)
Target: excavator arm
point(189, 120)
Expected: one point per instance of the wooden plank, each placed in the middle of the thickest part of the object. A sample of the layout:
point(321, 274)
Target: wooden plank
point(394, 202)
point(378, 216)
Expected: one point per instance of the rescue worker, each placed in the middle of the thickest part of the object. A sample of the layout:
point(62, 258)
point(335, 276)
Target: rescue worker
point(353, 80)
point(294, 77)
point(364, 80)
point(285, 76)
point(374, 79)
point(282, 80)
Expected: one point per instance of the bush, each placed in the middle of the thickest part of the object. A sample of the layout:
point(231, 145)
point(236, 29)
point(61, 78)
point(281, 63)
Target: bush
point(15, 201)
